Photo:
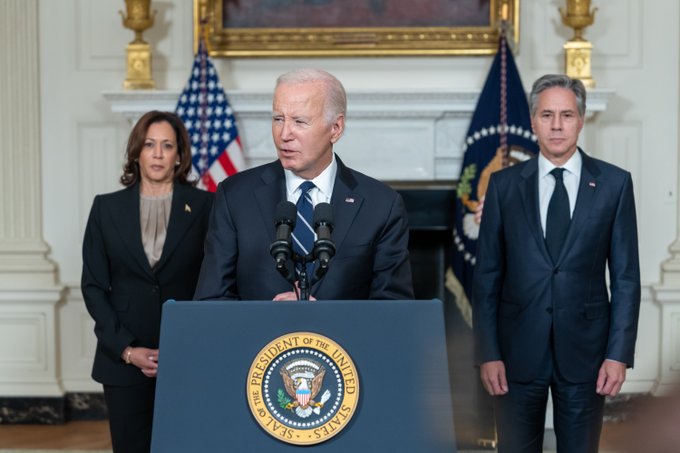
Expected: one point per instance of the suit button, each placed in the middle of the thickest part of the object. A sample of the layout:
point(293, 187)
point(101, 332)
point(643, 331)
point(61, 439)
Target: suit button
point(549, 310)
point(556, 270)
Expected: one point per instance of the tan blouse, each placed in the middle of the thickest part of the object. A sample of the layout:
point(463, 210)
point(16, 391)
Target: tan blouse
point(154, 213)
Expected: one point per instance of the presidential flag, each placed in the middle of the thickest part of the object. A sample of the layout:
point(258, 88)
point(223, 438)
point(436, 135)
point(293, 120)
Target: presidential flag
point(216, 151)
point(499, 135)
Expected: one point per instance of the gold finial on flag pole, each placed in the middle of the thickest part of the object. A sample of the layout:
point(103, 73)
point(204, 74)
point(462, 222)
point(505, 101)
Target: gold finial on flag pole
point(201, 21)
point(578, 51)
point(504, 11)
point(139, 18)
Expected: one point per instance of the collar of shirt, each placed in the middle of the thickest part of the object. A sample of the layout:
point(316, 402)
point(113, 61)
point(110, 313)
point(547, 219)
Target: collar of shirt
point(324, 184)
point(572, 166)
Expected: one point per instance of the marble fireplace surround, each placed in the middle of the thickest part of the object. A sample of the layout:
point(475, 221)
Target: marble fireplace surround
point(397, 136)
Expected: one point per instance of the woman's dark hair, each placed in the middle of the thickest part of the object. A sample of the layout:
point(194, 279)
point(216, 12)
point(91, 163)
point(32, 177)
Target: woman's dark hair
point(136, 143)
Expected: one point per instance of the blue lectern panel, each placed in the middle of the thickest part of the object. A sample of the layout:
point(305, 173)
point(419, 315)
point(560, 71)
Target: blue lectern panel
point(398, 348)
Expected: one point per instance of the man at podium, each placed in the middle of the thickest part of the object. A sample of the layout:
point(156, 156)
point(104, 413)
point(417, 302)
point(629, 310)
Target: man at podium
point(369, 230)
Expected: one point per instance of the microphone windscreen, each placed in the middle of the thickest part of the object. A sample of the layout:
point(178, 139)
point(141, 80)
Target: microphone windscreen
point(323, 214)
point(286, 212)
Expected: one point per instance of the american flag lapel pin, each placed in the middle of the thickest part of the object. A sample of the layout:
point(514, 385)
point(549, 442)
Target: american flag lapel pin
point(591, 183)
point(349, 200)
point(187, 208)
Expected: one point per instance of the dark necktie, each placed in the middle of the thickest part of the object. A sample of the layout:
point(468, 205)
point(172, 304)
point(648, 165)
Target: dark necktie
point(559, 217)
point(303, 234)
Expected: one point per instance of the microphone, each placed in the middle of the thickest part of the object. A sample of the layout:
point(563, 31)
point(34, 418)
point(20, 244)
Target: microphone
point(324, 248)
point(280, 250)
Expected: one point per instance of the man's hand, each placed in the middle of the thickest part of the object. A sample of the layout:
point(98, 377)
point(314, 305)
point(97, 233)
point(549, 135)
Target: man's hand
point(479, 209)
point(610, 378)
point(493, 377)
point(291, 295)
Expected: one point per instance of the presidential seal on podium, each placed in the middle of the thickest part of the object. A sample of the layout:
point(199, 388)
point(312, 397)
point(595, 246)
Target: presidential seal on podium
point(303, 388)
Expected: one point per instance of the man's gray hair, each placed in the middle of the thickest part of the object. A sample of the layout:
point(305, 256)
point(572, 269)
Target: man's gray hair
point(335, 103)
point(561, 81)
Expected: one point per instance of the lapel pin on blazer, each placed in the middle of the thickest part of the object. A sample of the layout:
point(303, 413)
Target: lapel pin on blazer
point(591, 183)
point(349, 200)
point(187, 208)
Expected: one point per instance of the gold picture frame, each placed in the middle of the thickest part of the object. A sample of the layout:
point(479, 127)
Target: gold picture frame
point(349, 41)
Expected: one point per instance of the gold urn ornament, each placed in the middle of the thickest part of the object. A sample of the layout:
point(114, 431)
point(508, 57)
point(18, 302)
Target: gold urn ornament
point(578, 50)
point(139, 18)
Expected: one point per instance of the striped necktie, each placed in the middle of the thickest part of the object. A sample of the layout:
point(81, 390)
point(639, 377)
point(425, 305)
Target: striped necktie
point(303, 234)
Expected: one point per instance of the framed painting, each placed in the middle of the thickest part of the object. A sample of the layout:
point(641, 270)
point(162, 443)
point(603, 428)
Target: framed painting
point(351, 28)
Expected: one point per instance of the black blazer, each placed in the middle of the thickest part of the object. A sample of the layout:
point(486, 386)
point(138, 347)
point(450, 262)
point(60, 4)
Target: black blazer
point(520, 295)
point(370, 234)
point(121, 291)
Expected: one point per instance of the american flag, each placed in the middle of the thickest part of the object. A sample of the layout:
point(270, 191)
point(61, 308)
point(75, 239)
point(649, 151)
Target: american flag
point(216, 150)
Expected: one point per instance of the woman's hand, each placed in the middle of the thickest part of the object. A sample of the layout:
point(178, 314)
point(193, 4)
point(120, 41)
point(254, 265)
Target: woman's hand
point(143, 358)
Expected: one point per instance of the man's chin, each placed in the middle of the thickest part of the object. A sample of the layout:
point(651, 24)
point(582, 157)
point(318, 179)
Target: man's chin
point(288, 163)
point(559, 152)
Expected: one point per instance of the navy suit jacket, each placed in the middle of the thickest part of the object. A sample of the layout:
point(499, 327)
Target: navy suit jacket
point(520, 295)
point(121, 291)
point(370, 235)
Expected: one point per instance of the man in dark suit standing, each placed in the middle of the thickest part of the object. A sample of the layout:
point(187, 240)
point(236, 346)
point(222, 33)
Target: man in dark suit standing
point(370, 224)
point(543, 317)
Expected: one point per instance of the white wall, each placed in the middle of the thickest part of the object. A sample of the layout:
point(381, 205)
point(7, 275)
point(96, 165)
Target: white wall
point(82, 45)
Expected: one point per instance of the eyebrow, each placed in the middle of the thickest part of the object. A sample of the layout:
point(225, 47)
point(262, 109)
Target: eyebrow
point(546, 110)
point(294, 117)
point(162, 140)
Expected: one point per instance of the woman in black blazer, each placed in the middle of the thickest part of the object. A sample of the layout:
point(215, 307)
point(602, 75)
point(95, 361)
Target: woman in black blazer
point(143, 245)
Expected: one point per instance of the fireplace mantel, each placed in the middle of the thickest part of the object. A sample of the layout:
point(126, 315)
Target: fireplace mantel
point(404, 136)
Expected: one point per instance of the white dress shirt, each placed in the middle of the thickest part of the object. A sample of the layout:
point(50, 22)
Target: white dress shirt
point(324, 185)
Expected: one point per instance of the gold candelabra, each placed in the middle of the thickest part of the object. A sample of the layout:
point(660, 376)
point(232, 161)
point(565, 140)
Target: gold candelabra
point(578, 50)
point(139, 18)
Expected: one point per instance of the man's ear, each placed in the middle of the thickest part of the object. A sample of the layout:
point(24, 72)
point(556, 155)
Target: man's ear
point(582, 120)
point(337, 128)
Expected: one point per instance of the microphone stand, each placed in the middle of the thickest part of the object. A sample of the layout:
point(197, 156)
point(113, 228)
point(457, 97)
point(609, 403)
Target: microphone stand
point(304, 278)
point(304, 283)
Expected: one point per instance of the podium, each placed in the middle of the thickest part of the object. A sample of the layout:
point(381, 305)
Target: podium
point(210, 352)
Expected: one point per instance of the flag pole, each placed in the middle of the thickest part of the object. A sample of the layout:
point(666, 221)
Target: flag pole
point(201, 13)
point(503, 137)
point(502, 48)
point(203, 99)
